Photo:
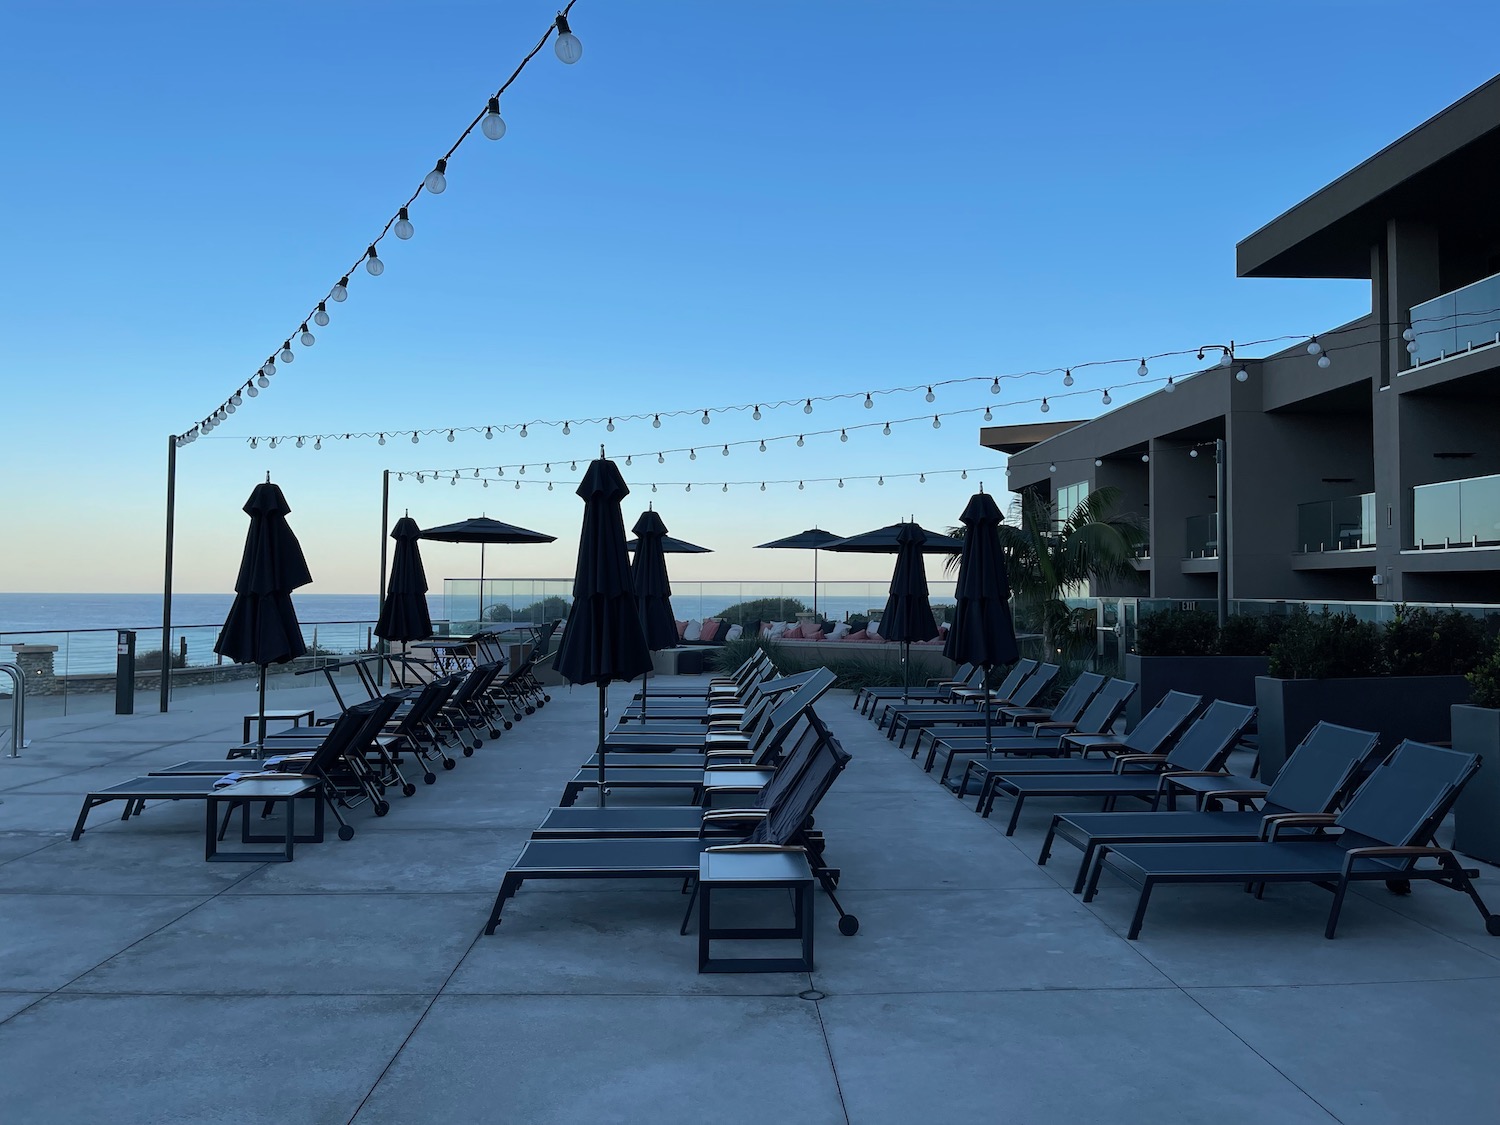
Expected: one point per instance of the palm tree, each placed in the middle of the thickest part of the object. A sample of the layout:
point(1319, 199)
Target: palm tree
point(1049, 554)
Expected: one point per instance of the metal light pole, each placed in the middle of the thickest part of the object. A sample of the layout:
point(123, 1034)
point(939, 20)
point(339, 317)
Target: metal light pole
point(166, 586)
point(1221, 526)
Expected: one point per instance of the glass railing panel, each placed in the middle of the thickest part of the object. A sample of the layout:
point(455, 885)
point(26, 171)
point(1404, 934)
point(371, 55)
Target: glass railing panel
point(1479, 510)
point(1435, 514)
point(1345, 524)
point(1457, 321)
point(1202, 536)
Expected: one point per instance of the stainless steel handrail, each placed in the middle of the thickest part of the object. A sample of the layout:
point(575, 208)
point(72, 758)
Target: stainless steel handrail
point(17, 709)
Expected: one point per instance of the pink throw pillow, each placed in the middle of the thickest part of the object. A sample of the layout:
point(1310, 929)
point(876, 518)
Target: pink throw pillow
point(810, 631)
point(859, 636)
point(681, 629)
point(710, 629)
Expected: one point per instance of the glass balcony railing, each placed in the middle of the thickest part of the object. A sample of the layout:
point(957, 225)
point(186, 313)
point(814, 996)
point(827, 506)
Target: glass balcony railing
point(1345, 524)
point(1456, 321)
point(1457, 513)
point(1203, 537)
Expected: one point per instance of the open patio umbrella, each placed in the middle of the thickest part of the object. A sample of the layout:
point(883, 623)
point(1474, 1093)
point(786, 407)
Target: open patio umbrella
point(603, 640)
point(982, 631)
point(262, 625)
point(483, 530)
point(653, 590)
point(670, 546)
point(403, 613)
point(813, 539)
point(907, 616)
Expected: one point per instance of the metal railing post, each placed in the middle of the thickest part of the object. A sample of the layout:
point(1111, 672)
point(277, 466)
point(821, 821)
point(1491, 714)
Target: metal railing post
point(17, 709)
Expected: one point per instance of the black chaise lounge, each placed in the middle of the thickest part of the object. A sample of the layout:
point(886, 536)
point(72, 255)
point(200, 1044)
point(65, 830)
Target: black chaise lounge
point(1384, 833)
point(1019, 722)
point(884, 710)
point(1203, 748)
point(1152, 735)
point(908, 719)
point(320, 767)
point(678, 859)
point(965, 675)
point(1317, 775)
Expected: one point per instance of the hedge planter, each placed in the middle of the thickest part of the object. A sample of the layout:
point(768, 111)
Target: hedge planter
point(1396, 707)
point(1476, 817)
point(1230, 678)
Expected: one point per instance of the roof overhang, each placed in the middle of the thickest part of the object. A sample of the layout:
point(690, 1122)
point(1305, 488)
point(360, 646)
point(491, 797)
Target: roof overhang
point(1441, 173)
point(1022, 436)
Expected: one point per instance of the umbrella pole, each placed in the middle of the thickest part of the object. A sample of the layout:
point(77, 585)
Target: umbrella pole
point(905, 673)
point(481, 584)
point(603, 688)
point(989, 738)
point(645, 691)
point(815, 580)
point(260, 738)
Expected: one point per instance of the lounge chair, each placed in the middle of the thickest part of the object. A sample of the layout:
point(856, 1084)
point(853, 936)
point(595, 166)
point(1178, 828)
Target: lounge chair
point(999, 696)
point(320, 766)
point(739, 691)
point(965, 675)
point(678, 859)
point(700, 776)
point(658, 821)
point(908, 719)
point(757, 666)
point(1018, 721)
point(675, 731)
point(1203, 747)
point(1156, 730)
point(1319, 773)
point(1384, 833)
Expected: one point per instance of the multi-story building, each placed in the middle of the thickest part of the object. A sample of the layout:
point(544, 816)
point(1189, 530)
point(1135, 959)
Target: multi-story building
point(1373, 476)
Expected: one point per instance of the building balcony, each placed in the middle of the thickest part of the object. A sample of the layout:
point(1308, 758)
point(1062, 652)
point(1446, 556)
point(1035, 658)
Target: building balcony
point(1457, 322)
point(1456, 513)
point(1345, 524)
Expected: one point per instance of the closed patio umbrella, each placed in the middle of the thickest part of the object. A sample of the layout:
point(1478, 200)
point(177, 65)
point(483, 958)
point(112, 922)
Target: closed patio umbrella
point(813, 539)
point(403, 613)
point(483, 530)
point(653, 590)
point(262, 625)
point(603, 640)
point(982, 631)
point(907, 616)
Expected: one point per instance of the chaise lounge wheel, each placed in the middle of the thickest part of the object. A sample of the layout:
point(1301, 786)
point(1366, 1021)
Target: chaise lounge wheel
point(1492, 925)
point(1398, 886)
point(531, 710)
point(409, 790)
point(546, 699)
point(449, 763)
point(346, 832)
point(508, 725)
point(848, 925)
point(429, 777)
point(468, 751)
point(382, 807)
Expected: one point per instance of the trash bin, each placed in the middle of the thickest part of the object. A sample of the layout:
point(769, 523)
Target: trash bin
point(125, 672)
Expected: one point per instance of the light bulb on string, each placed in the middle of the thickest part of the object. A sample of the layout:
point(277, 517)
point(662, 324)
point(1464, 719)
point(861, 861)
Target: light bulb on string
point(300, 443)
point(403, 227)
point(1227, 358)
point(881, 480)
point(1052, 468)
point(963, 475)
point(486, 482)
point(547, 468)
point(493, 124)
point(518, 486)
point(287, 355)
point(1412, 347)
point(937, 423)
point(762, 486)
point(995, 386)
point(688, 487)
point(887, 430)
point(756, 413)
point(573, 466)
point(653, 488)
point(268, 368)
point(1324, 362)
point(436, 181)
point(1068, 377)
point(841, 482)
point(522, 470)
point(1192, 453)
point(726, 451)
point(705, 417)
point(523, 429)
point(318, 444)
point(489, 433)
point(1044, 407)
point(253, 442)
point(799, 441)
point(629, 459)
point(611, 426)
point(567, 429)
point(762, 445)
point(869, 402)
point(1146, 458)
point(340, 292)
point(1171, 386)
point(1409, 334)
point(930, 396)
point(307, 338)
point(382, 439)
point(989, 415)
point(1143, 370)
point(807, 407)
point(252, 390)
point(800, 486)
point(921, 478)
point(236, 399)
point(320, 318)
point(1313, 347)
point(725, 488)
point(476, 474)
point(843, 435)
point(450, 435)
point(661, 458)
point(373, 265)
point(656, 422)
point(1241, 375)
point(1106, 399)
point(415, 437)
point(1098, 463)
point(454, 482)
point(500, 470)
point(692, 455)
point(568, 48)
point(549, 486)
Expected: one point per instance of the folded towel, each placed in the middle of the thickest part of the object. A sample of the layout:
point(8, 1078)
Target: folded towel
point(227, 780)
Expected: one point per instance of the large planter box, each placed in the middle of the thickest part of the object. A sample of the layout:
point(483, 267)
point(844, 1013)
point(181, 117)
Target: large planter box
point(1476, 817)
point(1230, 678)
point(1397, 707)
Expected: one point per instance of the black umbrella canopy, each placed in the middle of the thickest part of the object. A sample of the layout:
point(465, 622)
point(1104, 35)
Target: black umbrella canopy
point(982, 631)
point(813, 539)
point(887, 541)
point(262, 626)
point(653, 589)
point(403, 613)
point(908, 614)
point(603, 639)
point(482, 529)
point(669, 546)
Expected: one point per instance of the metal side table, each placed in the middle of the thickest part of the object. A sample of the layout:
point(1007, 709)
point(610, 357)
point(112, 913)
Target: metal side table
point(753, 868)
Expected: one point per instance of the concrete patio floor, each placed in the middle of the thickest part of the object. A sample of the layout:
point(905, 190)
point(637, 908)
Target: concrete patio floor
point(140, 984)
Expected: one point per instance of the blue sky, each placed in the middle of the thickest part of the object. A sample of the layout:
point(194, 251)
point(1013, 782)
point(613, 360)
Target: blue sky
point(720, 203)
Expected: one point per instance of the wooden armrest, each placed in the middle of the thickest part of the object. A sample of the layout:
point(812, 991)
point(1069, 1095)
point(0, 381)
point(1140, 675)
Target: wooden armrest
point(1270, 826)
point(1054, 724)
point(736, 814)
point(1163, 778)
point(790, 848)
point(1410, 851)
point(744, 753)
point(1130, 759)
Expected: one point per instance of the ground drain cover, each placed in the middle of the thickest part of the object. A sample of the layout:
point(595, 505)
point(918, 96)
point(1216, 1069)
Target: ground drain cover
point(811, 994)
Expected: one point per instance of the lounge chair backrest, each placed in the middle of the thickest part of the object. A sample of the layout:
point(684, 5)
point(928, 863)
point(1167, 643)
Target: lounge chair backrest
point(1320, 769)
point(1106, 706)
point(1205, 744)
point(355, 728)
point(1159, 725)
point(804, 741)
point(1408, 795)
point(1033, 685)
point(1018, 672)
point(790, 709)
point(787, 819)
point(1076, 698)
point(432, 697)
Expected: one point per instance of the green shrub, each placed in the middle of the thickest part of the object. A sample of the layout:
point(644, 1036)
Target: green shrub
point(1485, 679)
point(549, 608)
point(1178, 632)
point(1244, 634)
point(1425, 642)
point(498, 612)
point(762, 609)
point(731, 654)
point(150, 661)
point(1327, 645)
